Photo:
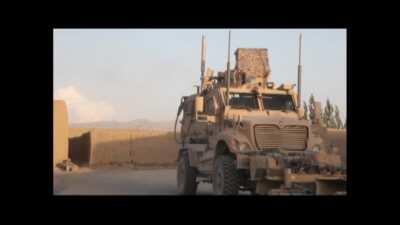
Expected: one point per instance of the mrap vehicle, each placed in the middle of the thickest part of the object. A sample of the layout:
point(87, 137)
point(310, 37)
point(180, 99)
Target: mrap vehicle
point(242, 132)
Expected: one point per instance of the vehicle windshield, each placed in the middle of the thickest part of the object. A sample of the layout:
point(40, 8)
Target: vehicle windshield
point(243, 101)
point(278, 102)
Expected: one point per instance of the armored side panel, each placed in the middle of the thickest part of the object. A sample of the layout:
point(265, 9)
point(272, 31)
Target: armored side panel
point(192, 127)
point(188, 112)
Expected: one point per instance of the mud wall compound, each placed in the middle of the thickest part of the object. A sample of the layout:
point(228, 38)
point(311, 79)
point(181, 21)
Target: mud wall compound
point(118, 146)
point(60, 132)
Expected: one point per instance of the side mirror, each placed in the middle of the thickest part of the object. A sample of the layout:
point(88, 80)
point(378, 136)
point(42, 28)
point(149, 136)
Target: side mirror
point(216, 106)
point(199, 104)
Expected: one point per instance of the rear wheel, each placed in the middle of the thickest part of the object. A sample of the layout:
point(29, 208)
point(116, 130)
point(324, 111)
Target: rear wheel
point(186, 176)
point(225, 179)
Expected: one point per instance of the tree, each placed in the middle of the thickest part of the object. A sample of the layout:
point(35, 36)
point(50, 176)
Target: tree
point(328, 116)
point(311, 106)
point(345, 123)
point(305, 110)
point(323, 119)
point(338, 121)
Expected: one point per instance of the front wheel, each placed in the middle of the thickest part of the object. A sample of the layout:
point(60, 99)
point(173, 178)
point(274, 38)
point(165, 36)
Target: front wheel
point(186, 176)
point(226, 179)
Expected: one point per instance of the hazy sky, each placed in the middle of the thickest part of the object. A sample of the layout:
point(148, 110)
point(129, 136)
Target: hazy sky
point(126, 74)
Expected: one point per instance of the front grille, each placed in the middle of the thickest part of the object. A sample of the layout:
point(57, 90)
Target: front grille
point(289, 137)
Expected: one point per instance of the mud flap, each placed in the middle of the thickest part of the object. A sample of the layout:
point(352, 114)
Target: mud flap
point(264, 171)
point(257, 167)
point(330, 187)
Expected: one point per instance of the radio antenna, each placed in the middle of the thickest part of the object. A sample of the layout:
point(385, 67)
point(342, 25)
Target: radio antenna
point(203, 59)
point(228, 65)
point(299, 75)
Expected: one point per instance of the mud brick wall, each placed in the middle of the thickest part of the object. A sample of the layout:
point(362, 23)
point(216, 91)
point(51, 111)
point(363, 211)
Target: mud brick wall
point(76, 132)
point(160, 149)
point(119, 146)
point(60, 132)
point(79, 148)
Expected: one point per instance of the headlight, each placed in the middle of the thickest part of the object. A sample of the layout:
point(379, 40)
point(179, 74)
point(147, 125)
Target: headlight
point(244, 146)
point(316, 148)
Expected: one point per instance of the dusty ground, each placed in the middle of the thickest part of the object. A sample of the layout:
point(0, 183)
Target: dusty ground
point(120, 181)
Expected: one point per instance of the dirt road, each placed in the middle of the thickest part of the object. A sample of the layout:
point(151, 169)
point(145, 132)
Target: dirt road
point(120, 181)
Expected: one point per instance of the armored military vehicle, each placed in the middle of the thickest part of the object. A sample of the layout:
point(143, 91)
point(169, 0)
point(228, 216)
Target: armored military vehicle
point(242, 132)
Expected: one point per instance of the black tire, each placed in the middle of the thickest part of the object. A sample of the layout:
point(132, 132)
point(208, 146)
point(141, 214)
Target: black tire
point(225, 179)
point(186, 176)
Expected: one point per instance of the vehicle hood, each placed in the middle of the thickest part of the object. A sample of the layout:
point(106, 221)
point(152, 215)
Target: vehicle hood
point(281, 119)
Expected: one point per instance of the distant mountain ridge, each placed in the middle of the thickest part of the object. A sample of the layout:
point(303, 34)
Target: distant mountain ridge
point(144, 124)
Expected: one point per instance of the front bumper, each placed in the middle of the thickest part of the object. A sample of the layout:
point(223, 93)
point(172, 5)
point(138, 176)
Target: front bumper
point(298, 168)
